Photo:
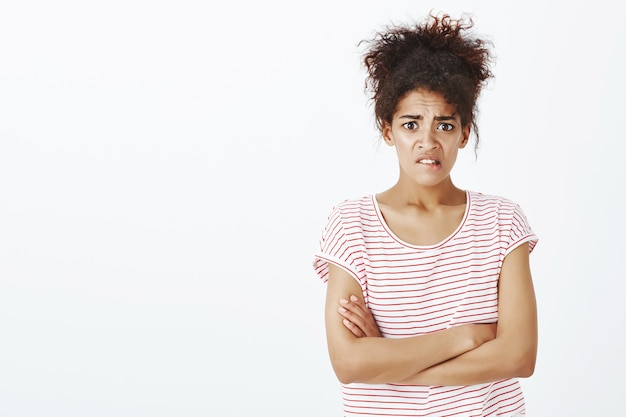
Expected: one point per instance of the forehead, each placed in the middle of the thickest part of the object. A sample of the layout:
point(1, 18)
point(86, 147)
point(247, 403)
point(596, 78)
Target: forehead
point(424, 103)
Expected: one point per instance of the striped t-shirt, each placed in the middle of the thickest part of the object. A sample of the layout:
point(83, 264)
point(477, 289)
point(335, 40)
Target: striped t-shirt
point(414, 290)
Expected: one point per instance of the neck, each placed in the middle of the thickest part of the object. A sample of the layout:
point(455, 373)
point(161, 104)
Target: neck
point(444, 193)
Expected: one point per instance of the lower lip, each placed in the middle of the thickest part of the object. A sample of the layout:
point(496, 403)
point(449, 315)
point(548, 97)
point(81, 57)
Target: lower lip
point(434, 167)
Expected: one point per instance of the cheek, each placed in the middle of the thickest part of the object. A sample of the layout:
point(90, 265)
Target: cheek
point(403, 149)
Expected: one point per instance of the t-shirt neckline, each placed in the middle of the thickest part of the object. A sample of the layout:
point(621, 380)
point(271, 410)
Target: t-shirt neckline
point(388, 230)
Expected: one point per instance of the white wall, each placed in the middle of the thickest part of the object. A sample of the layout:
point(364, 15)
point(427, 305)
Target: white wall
point(166, 168)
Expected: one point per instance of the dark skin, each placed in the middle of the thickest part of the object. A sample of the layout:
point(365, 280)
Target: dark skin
point(358, 318)
point(512, 350)
point(423, 208)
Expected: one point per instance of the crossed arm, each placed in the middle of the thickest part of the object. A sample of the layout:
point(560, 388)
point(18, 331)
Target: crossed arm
point(462, 355)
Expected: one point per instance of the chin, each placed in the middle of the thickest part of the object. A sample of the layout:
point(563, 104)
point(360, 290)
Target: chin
point(429, 184)
point(429, 181)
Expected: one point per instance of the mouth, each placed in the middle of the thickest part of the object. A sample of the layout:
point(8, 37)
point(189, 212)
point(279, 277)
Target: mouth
point(426, 161)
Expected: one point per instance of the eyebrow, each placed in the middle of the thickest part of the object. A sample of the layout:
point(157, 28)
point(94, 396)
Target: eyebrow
point(420, 117)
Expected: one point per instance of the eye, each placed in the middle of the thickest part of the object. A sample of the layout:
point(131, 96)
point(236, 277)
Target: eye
point(410, 125)
point(446, 127)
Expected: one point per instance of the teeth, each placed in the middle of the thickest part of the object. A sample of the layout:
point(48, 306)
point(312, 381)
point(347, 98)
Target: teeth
point(427, 161)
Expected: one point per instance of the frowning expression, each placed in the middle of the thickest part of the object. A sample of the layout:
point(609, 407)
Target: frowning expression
point(427, 133)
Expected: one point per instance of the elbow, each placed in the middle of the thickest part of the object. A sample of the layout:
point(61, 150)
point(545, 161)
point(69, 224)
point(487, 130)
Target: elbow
point(345, 370)
point(344, 378)
point(526, 368)
point(524, 364)
point(349, 366)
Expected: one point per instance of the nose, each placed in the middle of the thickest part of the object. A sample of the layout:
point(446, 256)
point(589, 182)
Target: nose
point(427, 140)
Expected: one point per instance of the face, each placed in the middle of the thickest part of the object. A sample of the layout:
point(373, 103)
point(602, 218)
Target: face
point(427, 134)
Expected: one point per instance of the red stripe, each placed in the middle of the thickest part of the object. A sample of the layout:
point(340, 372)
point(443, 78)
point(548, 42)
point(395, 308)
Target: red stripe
point(415, 290)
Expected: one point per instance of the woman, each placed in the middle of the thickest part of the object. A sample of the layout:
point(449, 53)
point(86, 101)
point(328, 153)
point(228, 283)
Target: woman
point(430, 307)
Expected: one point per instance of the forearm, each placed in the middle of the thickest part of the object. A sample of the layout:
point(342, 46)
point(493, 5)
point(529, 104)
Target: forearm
point(495, 360)
point(514, 350)
point(377, 360)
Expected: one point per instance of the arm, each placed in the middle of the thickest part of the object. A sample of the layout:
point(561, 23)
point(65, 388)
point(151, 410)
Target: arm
point(513, 352)
point(377, 360)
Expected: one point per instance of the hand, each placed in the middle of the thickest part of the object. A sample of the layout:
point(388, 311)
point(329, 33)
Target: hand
point(358, 318)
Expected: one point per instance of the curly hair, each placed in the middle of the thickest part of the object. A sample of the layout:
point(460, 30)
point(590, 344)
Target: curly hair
point(439, 54)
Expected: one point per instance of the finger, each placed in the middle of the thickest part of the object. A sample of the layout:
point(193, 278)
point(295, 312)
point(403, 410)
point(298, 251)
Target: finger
point(354, 307)
point(355, 330)
point(367, 326)
point(352, 317)
point(358, 301)
point(358, 314)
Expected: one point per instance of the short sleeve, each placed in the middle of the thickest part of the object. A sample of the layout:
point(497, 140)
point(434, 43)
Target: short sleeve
point(340, 244)
point(519, 231)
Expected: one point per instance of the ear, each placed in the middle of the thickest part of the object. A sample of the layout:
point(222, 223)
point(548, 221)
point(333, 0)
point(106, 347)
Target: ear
point(388, 134)
point(466, 134)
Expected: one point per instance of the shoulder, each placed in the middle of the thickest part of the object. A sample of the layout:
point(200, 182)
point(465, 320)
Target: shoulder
point(499, 208)
point(483, 199)
point(354, 208)
point(342, 239)
point(506, 215)
point(350, 203)
point(350, 217)
point(481, 202)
